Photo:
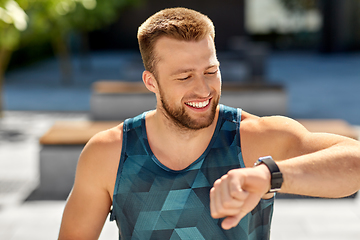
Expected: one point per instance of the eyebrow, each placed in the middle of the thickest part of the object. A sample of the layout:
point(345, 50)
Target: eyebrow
point(186, 70)
point(180, 71)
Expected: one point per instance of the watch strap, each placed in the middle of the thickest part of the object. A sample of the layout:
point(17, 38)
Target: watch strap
point(276, 175)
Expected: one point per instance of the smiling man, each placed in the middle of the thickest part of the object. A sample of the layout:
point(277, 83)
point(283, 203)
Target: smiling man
point(185, 170)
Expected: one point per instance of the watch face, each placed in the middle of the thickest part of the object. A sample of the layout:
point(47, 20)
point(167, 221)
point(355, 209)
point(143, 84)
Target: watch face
point(257, 163)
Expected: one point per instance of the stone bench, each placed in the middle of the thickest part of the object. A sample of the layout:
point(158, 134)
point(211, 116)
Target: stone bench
point(113, 100)
point(60, 148)
point(62, 144)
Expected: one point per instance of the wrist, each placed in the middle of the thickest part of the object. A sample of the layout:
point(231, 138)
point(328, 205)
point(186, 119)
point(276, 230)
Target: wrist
point(276, 178)
point(266, 176)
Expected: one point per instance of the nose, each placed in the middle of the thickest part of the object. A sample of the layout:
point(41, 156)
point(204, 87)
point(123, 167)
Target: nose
point(202, 87)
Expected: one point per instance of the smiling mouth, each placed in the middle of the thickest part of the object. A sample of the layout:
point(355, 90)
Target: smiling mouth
point(198, 104)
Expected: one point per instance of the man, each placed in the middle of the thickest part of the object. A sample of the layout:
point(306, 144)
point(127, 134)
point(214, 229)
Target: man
point(185, 170)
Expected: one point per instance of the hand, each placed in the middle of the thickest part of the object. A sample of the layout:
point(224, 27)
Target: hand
point(237, 193)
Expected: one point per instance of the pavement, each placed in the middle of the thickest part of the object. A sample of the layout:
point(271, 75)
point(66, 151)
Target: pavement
point(318, 87)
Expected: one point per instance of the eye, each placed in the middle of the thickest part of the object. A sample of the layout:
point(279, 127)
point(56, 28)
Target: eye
point(184, 78)
point(212, 72)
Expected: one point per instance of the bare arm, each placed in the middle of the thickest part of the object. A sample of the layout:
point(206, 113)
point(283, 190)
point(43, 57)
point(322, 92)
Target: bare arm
point(314, 164)
point(90, 200)
point(331, 170)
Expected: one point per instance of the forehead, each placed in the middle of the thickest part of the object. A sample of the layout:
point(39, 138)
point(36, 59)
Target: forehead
point(172, 52)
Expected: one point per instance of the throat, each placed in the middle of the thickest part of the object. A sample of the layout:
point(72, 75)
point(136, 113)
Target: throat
point(176, 149)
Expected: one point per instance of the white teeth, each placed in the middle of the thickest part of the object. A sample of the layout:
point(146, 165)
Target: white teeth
point(198, 104)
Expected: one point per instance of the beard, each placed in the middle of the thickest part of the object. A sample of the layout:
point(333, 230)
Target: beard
point(182, 119)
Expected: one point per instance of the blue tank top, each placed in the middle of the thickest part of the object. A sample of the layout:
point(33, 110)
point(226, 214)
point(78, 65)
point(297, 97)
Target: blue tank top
point(151, 201)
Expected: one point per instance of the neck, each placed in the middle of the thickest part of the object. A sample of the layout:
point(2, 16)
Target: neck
point(174, 146)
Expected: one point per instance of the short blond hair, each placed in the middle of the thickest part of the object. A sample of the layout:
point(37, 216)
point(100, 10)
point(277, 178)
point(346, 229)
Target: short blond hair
point(178, 23)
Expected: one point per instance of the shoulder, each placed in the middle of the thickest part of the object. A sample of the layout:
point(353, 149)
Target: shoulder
point(272, 124)
point(274, 135)
point(100, 157)
point(105, 142)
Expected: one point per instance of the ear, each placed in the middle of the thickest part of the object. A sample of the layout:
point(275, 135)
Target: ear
point(150, 81)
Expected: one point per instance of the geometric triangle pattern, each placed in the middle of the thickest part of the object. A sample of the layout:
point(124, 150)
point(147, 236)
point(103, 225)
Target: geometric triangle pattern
point(152, 201)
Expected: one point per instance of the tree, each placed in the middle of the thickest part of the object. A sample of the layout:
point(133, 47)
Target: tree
point(26, 21)
point(13, 20)
point(56, 19)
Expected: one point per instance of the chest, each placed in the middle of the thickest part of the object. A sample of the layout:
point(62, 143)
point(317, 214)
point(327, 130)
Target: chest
point(151, 200)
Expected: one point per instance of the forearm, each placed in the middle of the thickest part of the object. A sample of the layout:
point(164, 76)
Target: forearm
point(332, 172)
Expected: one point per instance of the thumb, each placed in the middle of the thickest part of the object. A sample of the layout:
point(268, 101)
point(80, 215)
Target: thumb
point(232, 221)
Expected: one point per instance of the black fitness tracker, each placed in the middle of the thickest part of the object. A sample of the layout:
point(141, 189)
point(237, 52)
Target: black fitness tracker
point(276, 175)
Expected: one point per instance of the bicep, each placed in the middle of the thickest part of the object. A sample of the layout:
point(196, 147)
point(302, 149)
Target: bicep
point(90, 200)
point(282, 138)
point(297, 140)
point(84, 215)
point(86, 209)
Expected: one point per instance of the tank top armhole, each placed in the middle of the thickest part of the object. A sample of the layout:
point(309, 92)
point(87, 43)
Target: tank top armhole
point(238, 122)
point(121, 163)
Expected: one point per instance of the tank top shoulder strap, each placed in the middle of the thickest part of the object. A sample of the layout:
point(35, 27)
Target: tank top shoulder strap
point(231, 114)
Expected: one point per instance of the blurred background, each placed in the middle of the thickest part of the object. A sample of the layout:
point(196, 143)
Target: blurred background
point(53, 52)
point(50, 49)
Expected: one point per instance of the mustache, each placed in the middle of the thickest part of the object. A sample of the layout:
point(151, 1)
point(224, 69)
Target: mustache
point(198, 97)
